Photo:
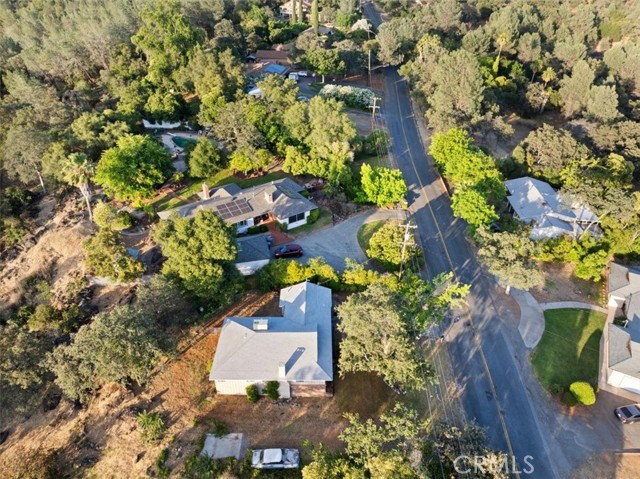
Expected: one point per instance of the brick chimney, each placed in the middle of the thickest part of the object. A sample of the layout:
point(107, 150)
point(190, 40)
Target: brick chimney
point(205, 191)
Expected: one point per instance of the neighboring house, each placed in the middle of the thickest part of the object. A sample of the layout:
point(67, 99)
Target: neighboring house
point(253, 254)
point(294, 349)
point(537, 203)
point(623, 358)
point(269, 68)
point(275, 56)
point(286, 10)
point(279, 200)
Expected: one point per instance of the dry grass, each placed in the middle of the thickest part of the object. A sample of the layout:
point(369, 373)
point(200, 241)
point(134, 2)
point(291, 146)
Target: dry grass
point(103, 440)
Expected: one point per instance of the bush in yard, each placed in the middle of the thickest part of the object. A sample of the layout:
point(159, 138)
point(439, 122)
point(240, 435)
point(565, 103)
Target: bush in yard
point(107, 216)
point(253, 230)
point(219, 428)
point(583, 392)
point(152, 426)
point(313, 216)
point(350, 95)
point(272, 390)
point(569, 399)
point(252, 393)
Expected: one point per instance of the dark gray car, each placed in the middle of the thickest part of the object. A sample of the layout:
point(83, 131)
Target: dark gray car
point(628, 414)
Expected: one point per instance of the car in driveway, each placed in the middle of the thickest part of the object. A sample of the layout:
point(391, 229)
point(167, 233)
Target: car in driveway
point(275, 459)
point(628, 414)
point(303, 73)
point(288, 251)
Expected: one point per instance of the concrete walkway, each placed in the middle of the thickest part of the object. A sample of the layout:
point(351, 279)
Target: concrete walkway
point(572, 305)
point(335, 243)
point(531, 324)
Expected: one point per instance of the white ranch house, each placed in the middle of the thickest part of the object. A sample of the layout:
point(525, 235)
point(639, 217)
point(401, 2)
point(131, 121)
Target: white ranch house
point(294, 349)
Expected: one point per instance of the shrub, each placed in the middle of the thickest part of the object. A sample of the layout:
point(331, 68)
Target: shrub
point(219, 428)
point(556, 389)
point(583, 392)
point(252, 393)
point(253, 230)
point(569, 399)
point(272, 390)
point(107, 216)
point(352, 96)
point(162, 470)
point(198, 467)
point(313, 216)
point(152, 426)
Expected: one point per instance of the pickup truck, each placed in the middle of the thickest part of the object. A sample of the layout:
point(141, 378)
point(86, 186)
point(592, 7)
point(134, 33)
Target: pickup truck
point(275, 459)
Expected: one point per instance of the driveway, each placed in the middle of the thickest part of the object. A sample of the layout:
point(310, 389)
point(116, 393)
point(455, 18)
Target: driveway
point(336, 243)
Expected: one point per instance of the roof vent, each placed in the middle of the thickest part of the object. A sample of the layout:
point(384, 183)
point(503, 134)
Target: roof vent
point(260, 324)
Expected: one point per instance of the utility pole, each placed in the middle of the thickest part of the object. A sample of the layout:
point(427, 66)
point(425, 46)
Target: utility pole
point(407, 240)
point(373, 108)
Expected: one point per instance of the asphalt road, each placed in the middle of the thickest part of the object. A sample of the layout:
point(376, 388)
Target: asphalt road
point(494, 391)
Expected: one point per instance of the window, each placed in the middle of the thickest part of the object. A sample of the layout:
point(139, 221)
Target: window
point(241, 223)
point(298, 217)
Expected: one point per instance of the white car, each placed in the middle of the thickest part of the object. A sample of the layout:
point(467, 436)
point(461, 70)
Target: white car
point(275, 459)
point(303, 74)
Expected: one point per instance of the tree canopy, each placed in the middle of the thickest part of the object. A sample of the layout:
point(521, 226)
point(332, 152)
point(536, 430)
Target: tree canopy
point(199, 254)
point(134, 168)
point(382, 186)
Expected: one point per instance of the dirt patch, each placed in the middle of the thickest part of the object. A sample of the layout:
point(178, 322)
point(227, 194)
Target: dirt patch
point(609, 466)
point(561, 285)
point(58, 252)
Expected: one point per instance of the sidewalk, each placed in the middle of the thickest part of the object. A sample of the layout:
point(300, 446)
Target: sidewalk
point(531, 324)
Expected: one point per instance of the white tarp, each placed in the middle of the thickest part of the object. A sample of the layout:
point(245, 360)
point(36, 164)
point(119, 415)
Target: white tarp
point(165, 125)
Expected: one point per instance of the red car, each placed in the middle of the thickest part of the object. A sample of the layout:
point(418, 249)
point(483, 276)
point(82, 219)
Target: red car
point(288, 251)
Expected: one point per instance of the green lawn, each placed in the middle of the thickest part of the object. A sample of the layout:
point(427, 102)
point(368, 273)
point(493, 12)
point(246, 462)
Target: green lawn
point(569, 348)
point(363, 393)
point(371, 160)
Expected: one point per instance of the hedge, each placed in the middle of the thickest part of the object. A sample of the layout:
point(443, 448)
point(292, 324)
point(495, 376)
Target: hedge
point(583, 392)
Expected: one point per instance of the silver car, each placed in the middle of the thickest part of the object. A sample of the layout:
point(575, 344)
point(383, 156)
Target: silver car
point(275, 459)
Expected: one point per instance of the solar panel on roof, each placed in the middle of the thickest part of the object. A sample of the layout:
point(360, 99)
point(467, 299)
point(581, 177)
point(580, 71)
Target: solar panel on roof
point(233, 208)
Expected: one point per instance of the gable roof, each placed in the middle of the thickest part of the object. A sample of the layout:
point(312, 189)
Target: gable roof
point(624, 354)
point(274, 55)
point(281, 197)
point(624, 282)
point(535, 201)
point(300, 339)
point(253, 248)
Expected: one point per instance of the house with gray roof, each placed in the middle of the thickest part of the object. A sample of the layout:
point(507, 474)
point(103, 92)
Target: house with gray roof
point(537, 203)
point(253, 254)
point(623, 342)
point(279, 200)
point(295, 349)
